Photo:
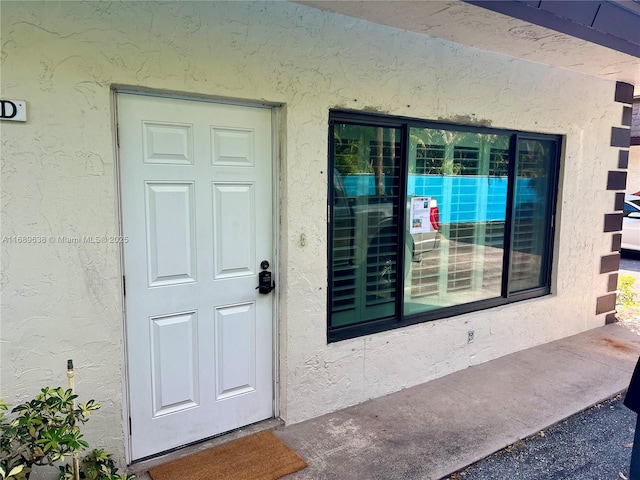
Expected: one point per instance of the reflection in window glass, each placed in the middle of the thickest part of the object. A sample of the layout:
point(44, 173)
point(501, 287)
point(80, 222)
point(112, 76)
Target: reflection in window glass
point(428, 221)
point(529, 244)
point(459, 259)
point(365, 223)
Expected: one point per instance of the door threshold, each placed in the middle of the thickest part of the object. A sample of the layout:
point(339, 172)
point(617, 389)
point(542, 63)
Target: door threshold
point(140, 467)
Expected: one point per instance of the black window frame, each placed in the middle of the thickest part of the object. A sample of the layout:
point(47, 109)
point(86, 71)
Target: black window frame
point(404, 124)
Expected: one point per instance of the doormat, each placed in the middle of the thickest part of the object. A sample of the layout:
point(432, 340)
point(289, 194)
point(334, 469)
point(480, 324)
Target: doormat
point(261, 456)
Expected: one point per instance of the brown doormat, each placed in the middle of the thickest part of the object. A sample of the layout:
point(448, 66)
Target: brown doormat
point(262, 456)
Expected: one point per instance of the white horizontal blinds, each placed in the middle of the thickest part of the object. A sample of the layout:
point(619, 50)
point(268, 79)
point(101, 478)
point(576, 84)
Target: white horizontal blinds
point(425, 271)
point(382, 222)
point(494, 230)
point(364, 223)
point(461, 257)
point(469, 181)
point(425, 277)
point(529, 244)
point(343, 300)
point(493, 256)
point(463, 232)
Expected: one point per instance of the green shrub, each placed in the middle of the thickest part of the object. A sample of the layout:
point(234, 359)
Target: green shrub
point(98, 465)
point(45, 431)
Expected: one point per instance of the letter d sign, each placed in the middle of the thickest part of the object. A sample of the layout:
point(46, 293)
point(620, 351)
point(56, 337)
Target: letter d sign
point(13, 110)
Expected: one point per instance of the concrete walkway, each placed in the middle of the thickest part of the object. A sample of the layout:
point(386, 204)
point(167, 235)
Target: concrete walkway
point(432, 430)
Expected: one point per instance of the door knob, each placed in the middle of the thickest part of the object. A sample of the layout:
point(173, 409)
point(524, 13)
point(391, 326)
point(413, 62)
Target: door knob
point(265, 283)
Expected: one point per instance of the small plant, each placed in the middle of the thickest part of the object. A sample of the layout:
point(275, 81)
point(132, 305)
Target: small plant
point(625, 294)
point(45, 431)
point(98, 465)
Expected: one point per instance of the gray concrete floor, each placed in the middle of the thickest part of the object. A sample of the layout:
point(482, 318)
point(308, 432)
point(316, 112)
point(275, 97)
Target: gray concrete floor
point(431, 430)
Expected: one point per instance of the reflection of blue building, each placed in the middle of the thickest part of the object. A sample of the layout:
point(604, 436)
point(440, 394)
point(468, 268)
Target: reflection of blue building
point(460, 198)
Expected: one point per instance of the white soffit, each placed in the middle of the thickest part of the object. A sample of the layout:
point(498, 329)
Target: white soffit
point(477, 27)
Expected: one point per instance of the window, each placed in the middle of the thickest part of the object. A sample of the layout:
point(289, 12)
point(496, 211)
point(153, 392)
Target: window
point(428, 221)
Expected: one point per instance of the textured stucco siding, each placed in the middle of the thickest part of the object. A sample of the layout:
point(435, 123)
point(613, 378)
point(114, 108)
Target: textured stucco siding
point(59, 178)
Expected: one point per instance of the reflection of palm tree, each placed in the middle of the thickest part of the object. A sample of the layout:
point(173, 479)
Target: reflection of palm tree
point(435, 149)
point(534, 160)
point(367, 150)
point(350, 150)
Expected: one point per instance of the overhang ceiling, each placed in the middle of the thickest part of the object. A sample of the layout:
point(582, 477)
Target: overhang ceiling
point(479, 27)
point(611, 23)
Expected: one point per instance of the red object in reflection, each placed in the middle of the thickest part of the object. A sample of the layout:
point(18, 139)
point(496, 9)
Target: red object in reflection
point(434, 217)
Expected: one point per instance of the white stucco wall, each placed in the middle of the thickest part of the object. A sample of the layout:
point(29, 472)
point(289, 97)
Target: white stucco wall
point(64, 301)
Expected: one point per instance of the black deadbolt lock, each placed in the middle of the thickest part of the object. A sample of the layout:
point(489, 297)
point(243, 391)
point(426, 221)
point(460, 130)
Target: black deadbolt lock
point(265, 284)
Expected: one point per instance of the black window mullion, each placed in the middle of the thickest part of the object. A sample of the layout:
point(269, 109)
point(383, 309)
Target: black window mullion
point(403, 171)
point(330, 217)
point(508, 222)
point(549, 210)
point(550, 219)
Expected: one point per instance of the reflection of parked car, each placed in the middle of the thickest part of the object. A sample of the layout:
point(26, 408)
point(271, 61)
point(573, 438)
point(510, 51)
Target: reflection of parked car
point(631, 223)
point(365, 235)
point(377, 214)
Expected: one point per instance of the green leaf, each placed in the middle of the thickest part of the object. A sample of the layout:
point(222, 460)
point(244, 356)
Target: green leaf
point(16, 470)
point(46, 431)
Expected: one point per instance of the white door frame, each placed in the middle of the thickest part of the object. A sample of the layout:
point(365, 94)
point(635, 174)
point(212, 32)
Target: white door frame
point(276, 122)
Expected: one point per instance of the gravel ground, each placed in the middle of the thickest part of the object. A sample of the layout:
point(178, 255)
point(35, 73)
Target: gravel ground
point(592, 445)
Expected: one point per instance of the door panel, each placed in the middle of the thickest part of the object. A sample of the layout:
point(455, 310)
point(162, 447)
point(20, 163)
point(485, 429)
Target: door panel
point(235, 331)
point(174, 368)
point(196, 194)
point(171, 236)
point(232, 147)
point(233, 215)
point(167, 143)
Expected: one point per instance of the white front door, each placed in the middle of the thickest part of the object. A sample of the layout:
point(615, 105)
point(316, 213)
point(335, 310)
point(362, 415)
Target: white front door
point(196, 195)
